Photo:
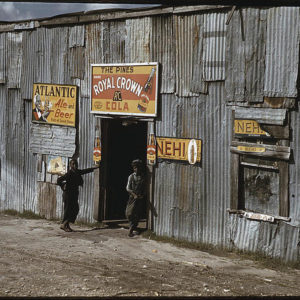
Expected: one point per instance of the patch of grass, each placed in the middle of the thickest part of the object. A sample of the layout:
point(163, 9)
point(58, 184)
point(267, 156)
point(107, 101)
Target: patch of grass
point(260, 258)
point(26, 214)
point(88, 224)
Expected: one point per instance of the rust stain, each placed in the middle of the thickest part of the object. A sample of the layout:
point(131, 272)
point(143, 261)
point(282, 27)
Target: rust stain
point(274, 102)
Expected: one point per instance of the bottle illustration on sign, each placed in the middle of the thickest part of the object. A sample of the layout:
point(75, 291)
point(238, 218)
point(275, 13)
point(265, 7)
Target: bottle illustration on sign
point(151, 149)
point(144, 101)
point(97, 148)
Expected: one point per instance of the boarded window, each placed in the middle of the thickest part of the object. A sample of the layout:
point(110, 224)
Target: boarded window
point(260, 191)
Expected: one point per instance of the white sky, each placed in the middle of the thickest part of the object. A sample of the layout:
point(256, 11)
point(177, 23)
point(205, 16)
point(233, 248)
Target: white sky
point(14, 11)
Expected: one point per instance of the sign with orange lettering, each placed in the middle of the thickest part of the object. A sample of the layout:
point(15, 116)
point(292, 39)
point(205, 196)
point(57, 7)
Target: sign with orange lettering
point(54, 104)
point(179, 149)
point(124, 89)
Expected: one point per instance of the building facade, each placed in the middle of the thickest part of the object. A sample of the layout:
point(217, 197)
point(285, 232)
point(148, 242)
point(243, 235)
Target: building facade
point(227, 93)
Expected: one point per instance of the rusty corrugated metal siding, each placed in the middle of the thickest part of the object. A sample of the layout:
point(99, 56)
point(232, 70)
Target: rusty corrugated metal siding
point(12, 173)
point(214, 38)
point(276, 240)
point(137, 41)
point(184, 33)
point(190, 200)
point(198, 85)
point(85, 159)
point(246, 58)
point(162, 50)
point(282, 52)
point(294, 171)
point(2, 58)
point(186, 199)
point(92, 56)
point(14, 59)
point(55, 140)
point(30, 178)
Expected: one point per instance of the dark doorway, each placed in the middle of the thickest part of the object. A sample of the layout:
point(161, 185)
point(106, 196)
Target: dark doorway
point(122, 142)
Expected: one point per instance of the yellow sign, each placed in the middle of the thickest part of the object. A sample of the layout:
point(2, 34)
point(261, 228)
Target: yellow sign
point(124, 89)
point(248, 127)
point(251, 149)
point(179, 149)
point(54, 104)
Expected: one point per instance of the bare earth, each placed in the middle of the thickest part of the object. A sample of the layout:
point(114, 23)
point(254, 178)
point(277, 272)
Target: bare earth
point(39, 259)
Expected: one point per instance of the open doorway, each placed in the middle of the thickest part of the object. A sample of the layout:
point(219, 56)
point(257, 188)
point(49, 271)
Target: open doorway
point(122, 142)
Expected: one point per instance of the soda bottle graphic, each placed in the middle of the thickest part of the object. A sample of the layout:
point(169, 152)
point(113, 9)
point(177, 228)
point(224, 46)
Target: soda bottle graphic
point(151, 149)
point(144, 101)
point(97, 148)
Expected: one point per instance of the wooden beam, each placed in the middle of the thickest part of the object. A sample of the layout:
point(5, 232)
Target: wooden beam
point(274, 151)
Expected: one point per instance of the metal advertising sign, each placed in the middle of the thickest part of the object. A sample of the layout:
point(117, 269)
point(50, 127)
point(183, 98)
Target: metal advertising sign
point(57, 165)
point(54, 104)
point(179, 149)
point(151, 149)
point(248, 128)
point(124, 89)
point(251, 149)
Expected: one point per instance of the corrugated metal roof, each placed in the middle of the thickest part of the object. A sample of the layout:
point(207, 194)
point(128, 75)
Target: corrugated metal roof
point(282, 52)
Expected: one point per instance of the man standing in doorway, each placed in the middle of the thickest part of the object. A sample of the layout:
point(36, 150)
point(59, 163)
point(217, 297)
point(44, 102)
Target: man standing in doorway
point(136, 189)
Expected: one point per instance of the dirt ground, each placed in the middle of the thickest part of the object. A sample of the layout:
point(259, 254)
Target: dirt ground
point(39, 259)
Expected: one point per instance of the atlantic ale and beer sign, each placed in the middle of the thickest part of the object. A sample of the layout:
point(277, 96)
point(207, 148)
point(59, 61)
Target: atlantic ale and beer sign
point(124, 89)
point(54, 104)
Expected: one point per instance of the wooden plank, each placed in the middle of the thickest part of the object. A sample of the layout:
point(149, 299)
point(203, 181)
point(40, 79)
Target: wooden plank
point(243, 212)
point(262, 115)
point(54, 178)
point(39, 162)
point(284, 188)
point(96, 200)
point(276, 131)
point(274, 151)
point(234, 181)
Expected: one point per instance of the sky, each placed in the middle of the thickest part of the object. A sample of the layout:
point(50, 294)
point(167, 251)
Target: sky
point(16, 11)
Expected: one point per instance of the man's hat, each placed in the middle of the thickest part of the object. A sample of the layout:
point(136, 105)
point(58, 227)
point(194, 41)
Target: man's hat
point(136, 162)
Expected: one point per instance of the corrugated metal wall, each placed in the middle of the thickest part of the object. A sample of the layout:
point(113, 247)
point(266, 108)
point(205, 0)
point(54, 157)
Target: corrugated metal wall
point(282, 51)
point(188, 204)
point(204, 64)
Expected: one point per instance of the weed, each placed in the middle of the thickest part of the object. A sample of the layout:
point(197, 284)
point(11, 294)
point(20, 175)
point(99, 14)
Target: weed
point(260, 258)
point(26, 214)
